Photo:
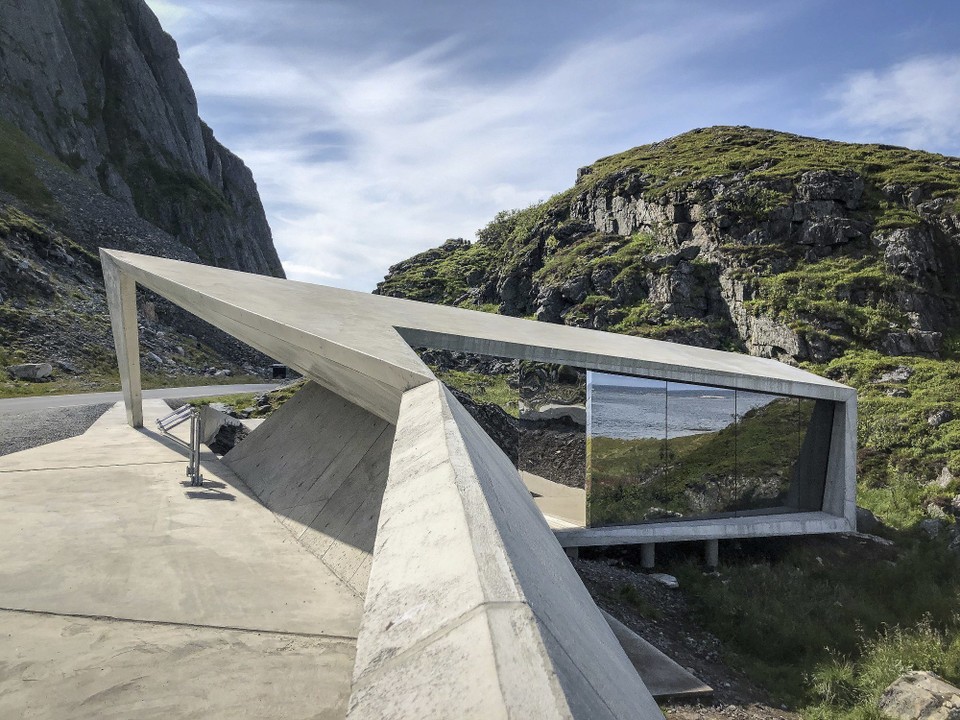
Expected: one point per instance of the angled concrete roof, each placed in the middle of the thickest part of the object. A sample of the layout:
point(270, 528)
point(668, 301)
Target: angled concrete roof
point(471, 607)
point(342, 334)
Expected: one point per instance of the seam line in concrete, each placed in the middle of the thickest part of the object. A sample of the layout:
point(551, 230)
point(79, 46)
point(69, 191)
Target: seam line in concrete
point(465, 617)
point(170, 623)
point(93, 467)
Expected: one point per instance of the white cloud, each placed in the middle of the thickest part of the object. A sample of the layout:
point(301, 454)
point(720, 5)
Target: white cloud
point(364, 159)
point(170, 14)
point(915, 103)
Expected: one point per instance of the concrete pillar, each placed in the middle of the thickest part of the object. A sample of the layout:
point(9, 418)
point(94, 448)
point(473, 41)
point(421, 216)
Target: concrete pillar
point(712, 553)
point(647, 556)
point(572, 552)
point(122, 301)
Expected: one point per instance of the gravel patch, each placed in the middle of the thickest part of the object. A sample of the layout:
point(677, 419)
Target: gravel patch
point(34, 428)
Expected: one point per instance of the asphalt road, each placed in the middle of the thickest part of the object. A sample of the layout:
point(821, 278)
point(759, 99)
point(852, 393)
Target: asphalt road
point(11, 406)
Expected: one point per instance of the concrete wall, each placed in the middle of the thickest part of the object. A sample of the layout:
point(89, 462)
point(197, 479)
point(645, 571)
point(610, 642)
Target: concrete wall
point(472, 609)
point(320, 463)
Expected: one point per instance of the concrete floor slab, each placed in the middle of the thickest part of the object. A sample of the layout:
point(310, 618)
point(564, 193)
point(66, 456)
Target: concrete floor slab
point(105, 529)
point(74, 667)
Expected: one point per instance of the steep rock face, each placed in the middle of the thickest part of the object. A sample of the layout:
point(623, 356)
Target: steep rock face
point(783, 246)
point(98, 84)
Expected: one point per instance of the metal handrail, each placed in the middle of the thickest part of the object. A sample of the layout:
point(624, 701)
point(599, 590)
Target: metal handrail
point(178, 417)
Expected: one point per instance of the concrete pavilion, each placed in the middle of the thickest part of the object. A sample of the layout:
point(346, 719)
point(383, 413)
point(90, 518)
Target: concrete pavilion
point(470, 606)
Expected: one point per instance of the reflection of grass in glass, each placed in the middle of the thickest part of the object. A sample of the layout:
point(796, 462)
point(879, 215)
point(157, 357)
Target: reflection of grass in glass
point(711, 472)
point(483, 389)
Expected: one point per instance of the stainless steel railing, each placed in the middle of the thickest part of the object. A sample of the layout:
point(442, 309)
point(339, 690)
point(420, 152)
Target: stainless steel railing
point(186, 413)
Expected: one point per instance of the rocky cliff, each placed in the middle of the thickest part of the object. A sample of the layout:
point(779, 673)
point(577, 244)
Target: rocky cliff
point(783, 246)
point(101, 146)
point(98, 84)
point(841, 257)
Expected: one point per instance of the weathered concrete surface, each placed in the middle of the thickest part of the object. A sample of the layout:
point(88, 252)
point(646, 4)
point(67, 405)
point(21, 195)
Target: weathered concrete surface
point(102, 528)
point(663, 677)
point(772, 525)
point(78, 667)
point(320, 463)
point(472, 609)
point(122, 300)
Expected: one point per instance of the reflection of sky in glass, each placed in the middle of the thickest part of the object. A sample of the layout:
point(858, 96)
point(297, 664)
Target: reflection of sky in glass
point(600, 378)
point(630, 407)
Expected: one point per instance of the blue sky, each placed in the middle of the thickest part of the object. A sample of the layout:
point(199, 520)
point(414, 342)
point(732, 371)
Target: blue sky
point(378, 129)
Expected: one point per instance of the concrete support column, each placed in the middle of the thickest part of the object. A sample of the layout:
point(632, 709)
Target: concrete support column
point(712, 553)
point(122, 301)
point(572, 552)
point(647, 556)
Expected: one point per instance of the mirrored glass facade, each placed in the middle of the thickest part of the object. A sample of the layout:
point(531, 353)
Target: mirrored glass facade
point(536, 413)
point(666, 450)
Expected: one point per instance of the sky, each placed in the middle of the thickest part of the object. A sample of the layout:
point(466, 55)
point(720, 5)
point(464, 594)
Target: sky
point(378, 129)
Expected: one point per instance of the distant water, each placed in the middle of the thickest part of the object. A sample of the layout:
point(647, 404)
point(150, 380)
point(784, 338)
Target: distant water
point(630, 413)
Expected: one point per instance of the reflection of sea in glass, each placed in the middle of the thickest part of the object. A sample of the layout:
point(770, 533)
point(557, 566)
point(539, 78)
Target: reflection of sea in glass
point(660, 450)
point(627, 427)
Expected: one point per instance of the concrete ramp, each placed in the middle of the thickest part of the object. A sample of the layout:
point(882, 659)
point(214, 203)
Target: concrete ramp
point(320, 463)
point(472, 610)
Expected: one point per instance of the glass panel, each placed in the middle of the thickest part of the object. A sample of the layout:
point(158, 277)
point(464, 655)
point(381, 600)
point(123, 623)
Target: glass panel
point(808, 480)
point(768, 446)
point(487, 388)
point(551, 453)
point(701, 458)
point(626, 435)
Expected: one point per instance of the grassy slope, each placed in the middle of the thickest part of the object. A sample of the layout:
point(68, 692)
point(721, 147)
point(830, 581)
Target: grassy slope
point(804, 297)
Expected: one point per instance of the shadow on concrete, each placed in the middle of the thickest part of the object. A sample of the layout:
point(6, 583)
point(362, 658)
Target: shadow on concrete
point(209, 495)
point(166, 441)
point(207, 484)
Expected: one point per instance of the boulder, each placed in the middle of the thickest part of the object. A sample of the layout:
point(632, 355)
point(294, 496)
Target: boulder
point(939, 417)
point(944, 479)
point(921, 695)
point(867, 522)
point(898, 374)
point(668, 581)
point(30, 371)
point(68, 367)
point(227, 436)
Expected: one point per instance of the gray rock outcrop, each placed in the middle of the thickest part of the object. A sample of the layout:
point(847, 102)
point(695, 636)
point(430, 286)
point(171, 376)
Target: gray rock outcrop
point(100, 87)
point(921, 695)
point(764, 254)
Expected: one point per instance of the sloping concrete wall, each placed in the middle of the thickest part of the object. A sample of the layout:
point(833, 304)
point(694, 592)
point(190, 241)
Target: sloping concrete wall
point(320, 463)
point(472, 609)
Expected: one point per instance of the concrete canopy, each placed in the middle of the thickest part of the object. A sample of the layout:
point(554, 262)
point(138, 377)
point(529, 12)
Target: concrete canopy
point(471, 607)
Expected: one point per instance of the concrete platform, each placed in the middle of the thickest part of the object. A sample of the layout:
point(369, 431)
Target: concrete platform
point(563, 507)
point(662, 675)
point(125, 593)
